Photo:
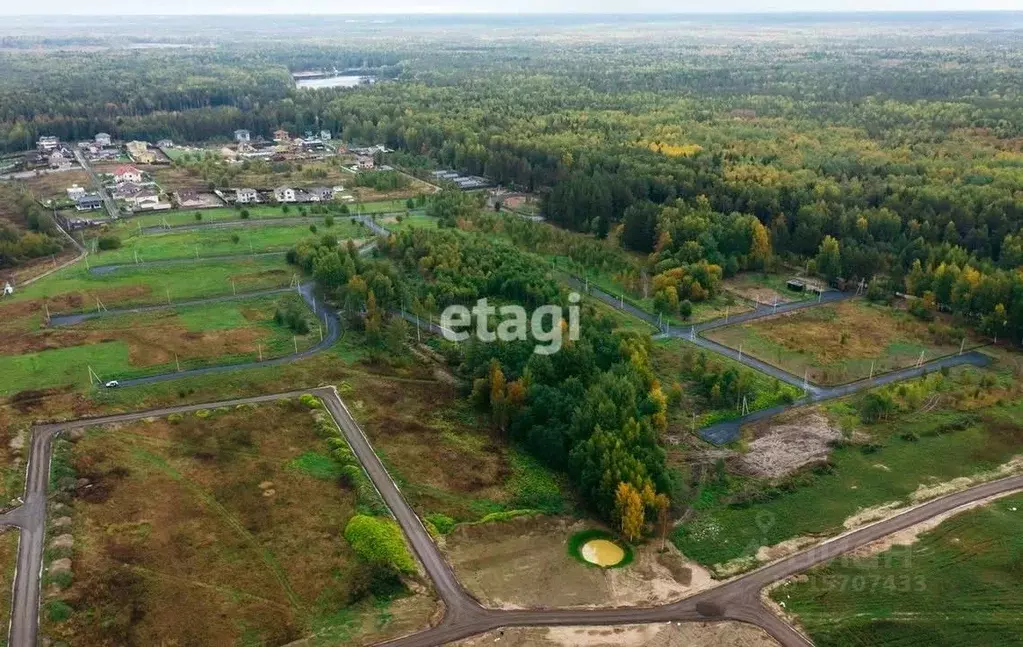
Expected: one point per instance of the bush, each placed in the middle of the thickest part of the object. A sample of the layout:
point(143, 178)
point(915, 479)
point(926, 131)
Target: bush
point(379, 542)
point(58, 611)
point(310, 401)
point(198, 216)
point(244, 214)
point(328, 221)
point(312, 228)
point(685, 309)
point(443, 523)
point(365, 492)
point(108, 242)
point(235, 238)
point(175, 418)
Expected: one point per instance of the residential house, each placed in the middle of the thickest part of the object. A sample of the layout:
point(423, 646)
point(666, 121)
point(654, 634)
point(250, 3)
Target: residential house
point(325, 135)
point(245, 196)
point(284, 194)
point(301, 195)
point(190, 200)
point(365, 162)
point(241, 135)
point(58, 160)
point(281, 136)
point(88, 202)
point(165, 143)
point(320, 193)
point(140, 152)
point(74, 192)
point(102, 139)
point(126, 190)
point(47, 143)
point(127, 173)
point(147, 200)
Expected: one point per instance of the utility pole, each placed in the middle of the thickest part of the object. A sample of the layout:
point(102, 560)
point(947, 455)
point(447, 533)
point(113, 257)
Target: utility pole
point(259, 348)
point(806, 381)
point(320, 328)
point(726, 314)
point(294, 338)
point(962, 346)
point(920, 362)
point(623, 301)
point(871, 378)
point(176, 362)
point(167, 291)
point(234, 290)
point(740, 352)
point(47, 307)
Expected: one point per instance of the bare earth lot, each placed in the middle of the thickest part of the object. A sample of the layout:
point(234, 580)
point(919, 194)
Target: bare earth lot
point(524, 563)
point(687, 634)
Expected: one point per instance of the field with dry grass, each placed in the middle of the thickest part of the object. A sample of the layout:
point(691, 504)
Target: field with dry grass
point(48, 186)
point(838, 343)
point(219, 527)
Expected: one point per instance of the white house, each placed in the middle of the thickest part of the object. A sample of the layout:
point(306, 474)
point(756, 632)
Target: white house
point(165, 143)
point(47, 143)
point(8, 289)
point(242, 135)
point(59, 161)
point(245, 196)
point(365, 162)
point(325, 135)
point(284, 194)
point(74, 192)
point(320, 193)
point(102, 139)
point(127, 173)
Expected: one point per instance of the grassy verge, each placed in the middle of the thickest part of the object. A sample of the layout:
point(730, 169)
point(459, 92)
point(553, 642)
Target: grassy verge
point(959, 584)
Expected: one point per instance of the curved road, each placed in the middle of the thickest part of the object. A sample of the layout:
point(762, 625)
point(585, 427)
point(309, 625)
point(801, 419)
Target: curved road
point(737, 599)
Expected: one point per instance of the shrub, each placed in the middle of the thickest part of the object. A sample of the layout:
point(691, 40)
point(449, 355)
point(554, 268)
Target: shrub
point(108, 242)
point(58, 611)
point(244, 214)
point(328, 221)
point(202, 413)
point(198, 216)
point(310, 401)
point(175, 418)
point(443, 523)
point(235, 238)
point(365, 492)
point(379, 542)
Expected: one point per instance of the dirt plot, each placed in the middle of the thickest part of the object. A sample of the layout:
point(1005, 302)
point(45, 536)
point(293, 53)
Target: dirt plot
point(784, 444)
point(71, 301)
point(841, 342)
point(686, 634)
point(47, 186)
point(524, 563)
point(220, 528)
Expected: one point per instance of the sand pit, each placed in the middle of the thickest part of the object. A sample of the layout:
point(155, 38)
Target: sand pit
point(782, 446)
point(602, 552)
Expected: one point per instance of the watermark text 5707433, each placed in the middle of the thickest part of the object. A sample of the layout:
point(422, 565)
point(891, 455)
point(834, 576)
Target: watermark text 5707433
point(547, 325)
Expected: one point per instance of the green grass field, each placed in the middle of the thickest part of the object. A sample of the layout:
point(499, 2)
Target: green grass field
point(840, 342)
point(135, 345)
point(75, 289)
point(961, 584)
point(760, 285)
point(218, 242)
point(411, 220)
point(739, 514)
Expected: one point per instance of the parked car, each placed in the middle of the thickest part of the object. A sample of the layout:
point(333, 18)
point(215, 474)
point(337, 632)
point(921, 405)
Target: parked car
point(112, 384)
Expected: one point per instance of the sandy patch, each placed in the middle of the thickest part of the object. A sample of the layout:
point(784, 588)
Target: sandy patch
point(871, 514)
point(686, 634)
point(524, 563)
point(785, 548)
point(927, 492)
point(787, 445)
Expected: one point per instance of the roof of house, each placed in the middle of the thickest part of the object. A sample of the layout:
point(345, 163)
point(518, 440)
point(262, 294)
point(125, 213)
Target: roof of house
point(127, 168)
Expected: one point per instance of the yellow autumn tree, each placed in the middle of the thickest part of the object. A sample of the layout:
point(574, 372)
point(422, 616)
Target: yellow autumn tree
point(760, 246)
point(629, 509)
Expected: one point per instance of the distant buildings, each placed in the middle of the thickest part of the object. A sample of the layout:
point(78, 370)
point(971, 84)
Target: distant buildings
point(463, 182)
point(140, 152)
point(165, 143)
point(284, 194)
point(74, 192)
point(281, 136)
point(58, 160)
point(246, 196)
point(320, 193)
point(47, 143)
point(365, 162)
point(325, 135)
point(242, 136)
point(127, 173)
point(102, 139)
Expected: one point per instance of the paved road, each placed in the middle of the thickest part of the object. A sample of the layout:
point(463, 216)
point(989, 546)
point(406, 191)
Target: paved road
point(737, 599)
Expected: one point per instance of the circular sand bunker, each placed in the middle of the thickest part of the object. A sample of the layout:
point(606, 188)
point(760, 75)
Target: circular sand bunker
point(602, 552)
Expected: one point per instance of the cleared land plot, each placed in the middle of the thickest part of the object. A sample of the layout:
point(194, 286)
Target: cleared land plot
point(176, 217)
point(311, 174)
point(684, 634)
point(222, 528)
point(948, 428)
point(76, 289)
point(959, 584)
point(446, 460)
point(839, 342)
point(133, 345)
point(765, 288)
point(409, 221)
point(525, 563)
point(221, 242)
point(51, 186)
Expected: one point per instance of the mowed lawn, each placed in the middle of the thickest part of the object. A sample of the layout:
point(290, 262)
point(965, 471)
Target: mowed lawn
point(960, 584)
point(734, 517)
point(134, 345)
point(76, 289)
point(219, 527)
point(839, 342)
point(222, 241)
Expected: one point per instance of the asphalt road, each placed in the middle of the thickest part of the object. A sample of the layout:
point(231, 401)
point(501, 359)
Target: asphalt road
point(737, 599)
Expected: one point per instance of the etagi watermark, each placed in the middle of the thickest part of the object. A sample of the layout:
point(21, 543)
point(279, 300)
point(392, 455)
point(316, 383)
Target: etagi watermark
point(546, 325)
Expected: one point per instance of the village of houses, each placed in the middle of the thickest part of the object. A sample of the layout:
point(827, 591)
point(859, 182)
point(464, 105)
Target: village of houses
point(129, 173)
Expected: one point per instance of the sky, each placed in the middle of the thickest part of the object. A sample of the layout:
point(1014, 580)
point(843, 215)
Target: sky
point(194, 7)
